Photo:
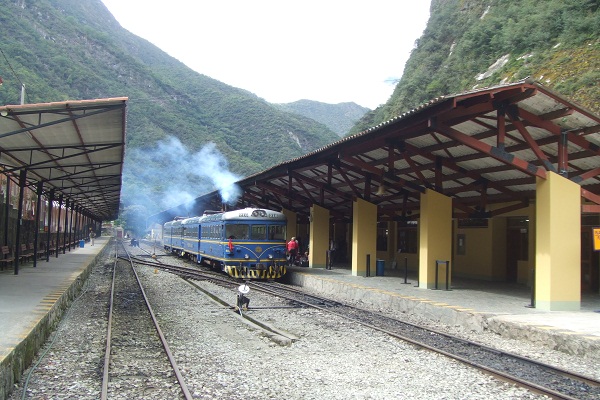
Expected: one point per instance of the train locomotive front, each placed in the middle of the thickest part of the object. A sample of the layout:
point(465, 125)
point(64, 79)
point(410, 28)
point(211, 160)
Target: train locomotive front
point(247, 243)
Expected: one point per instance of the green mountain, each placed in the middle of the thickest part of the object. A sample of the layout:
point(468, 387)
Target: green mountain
point(75, 49)
point(479, 43)
point(340, 118)
point(186, 127)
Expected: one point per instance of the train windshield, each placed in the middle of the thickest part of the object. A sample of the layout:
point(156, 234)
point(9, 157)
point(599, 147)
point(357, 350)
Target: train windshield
point(255, 232)
point(277, 232)
point(237, 231)
point(259, 232)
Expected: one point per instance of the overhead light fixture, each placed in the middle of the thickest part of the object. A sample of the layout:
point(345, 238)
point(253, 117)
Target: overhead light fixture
point(381, 189)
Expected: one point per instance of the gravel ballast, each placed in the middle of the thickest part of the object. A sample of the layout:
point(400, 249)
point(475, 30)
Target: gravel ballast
point(221, 356)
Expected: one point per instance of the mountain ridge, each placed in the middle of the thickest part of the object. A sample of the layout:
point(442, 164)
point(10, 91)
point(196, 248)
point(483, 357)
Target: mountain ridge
point(340, 117)
point(554, 42)
point(75, 49)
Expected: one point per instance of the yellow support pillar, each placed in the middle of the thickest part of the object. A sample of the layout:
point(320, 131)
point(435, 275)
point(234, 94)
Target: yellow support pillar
point(364, 237)
point(319, 236)
point(292, 223)
point(435, 238)
point(558, 244)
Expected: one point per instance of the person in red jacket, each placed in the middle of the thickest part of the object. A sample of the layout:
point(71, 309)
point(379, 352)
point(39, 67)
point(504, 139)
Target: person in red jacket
point(292, 249)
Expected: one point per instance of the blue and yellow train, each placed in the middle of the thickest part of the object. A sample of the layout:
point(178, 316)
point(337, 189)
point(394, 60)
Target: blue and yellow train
point(248, 243)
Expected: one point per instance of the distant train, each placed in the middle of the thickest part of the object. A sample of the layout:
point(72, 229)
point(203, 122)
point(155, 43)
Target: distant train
point(248, 243)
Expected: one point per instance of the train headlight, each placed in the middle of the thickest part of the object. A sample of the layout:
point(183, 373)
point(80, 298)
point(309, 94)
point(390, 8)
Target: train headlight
point(270, 256)
point(246, 256)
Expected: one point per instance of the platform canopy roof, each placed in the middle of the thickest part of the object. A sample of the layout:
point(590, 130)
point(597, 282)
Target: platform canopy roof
point(484, 148)
point(75, 148)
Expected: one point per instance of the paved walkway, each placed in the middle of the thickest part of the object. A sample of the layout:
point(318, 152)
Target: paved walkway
point(31, 301)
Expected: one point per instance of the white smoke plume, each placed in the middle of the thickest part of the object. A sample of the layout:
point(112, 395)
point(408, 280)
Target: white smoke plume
point(172, 175)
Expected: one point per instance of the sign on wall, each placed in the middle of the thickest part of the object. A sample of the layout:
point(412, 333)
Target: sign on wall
point(596, 239)
point(473, 223)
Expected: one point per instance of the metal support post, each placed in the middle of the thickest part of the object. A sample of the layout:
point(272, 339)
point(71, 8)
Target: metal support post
point(437, 265)
point(405, 271)
point(532, 275)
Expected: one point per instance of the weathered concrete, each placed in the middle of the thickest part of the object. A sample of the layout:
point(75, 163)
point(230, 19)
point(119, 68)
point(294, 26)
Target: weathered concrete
point(32, 304)
point(476, 308)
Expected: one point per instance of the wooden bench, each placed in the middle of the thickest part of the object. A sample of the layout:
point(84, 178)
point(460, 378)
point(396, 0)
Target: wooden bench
point(41, 251)
point(25, 254)
point(7, 257)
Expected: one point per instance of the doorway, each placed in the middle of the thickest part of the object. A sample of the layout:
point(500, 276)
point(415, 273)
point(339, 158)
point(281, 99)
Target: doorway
point(517, 245)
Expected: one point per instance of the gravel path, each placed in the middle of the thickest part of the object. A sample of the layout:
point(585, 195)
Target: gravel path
point(222, 357)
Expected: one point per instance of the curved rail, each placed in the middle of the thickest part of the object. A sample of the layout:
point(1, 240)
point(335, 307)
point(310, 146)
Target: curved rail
point(327, 305)
point(595, 384)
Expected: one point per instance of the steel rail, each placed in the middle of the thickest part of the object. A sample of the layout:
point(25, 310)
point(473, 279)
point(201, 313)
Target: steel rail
point(510, 378)
point(173, 362)
point(260, 286)
point(104, 391)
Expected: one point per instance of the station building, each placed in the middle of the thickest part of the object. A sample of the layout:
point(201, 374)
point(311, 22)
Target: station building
point(495, 184)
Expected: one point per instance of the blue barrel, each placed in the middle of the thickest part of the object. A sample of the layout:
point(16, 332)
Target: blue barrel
point(380, 267)
point(81, 243)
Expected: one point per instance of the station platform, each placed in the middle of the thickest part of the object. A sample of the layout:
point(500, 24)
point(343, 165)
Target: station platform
point(475, 305)
point(33, 301)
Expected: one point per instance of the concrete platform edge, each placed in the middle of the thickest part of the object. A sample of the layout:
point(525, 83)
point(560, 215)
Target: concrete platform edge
point(376, 299)
point(20, 358)
point(562, 340)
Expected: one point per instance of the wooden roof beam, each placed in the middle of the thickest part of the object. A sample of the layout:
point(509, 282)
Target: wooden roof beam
point(450, 164)
point(513, 114)
point(485, 148)
point(378, 172)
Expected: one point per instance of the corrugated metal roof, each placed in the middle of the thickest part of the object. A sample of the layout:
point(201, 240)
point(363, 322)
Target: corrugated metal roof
point(452, 144)
point(75, 148)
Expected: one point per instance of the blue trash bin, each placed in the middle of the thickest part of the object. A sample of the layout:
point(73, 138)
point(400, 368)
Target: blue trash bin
point(81, 243)
point(380, 267)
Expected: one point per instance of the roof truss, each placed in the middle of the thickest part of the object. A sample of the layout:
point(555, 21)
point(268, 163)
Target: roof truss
point(485, 149)
point(74, 148)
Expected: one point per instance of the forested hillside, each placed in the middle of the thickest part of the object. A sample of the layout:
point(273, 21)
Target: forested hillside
point(75, 49)
point(477, 43)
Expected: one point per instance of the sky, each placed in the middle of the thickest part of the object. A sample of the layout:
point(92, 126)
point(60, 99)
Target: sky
point(331, 51)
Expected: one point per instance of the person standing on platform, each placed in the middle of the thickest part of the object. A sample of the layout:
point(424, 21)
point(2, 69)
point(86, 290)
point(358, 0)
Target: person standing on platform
point(92, 236)
point(292, 248)
point(331, 253)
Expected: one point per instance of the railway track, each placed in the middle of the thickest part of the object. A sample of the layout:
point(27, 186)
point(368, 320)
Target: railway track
point(134, 339)
point(536, 376)
point(326, 359)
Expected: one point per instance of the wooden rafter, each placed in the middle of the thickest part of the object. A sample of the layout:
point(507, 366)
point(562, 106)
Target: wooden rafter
point(485, 148)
